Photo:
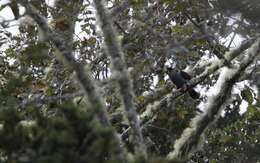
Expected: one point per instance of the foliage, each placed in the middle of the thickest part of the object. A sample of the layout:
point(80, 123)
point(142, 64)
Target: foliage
point(235, 137)
point(47, 115)
point(66, 136)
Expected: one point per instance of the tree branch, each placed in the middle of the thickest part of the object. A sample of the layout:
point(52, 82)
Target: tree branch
point(209, 41)
point(84, 79)
point(120, 73)
point(190, 137)
point(209, 70)
point(153, 96)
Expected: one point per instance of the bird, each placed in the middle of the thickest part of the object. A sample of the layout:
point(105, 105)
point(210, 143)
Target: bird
point(179, 78)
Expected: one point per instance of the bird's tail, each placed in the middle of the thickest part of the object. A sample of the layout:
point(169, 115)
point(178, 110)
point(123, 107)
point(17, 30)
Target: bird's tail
point(195, 95)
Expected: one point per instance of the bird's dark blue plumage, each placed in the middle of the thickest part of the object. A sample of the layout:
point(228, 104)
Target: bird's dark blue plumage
point(177, 79)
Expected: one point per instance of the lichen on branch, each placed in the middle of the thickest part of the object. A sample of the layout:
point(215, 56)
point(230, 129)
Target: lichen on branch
point(120, 73)
point(190, 138)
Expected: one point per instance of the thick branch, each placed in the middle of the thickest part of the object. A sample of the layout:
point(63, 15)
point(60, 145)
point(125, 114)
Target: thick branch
point(83, 78)
point(154, 109)
point(81, 74)
point(153, 96)
point(190, 137)
point(120, 73)
point(166, 101)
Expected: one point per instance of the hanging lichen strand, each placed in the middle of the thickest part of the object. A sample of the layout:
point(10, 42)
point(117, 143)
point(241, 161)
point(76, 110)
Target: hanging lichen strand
point(190, 138)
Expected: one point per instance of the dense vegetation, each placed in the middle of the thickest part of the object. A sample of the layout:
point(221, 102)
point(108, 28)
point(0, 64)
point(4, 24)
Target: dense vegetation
point(78, 81)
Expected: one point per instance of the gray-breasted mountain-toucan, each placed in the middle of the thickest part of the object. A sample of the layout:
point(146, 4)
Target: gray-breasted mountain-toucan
point(179, 78)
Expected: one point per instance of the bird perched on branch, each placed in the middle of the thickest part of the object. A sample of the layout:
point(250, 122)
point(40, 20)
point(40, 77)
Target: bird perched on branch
point(179, 78)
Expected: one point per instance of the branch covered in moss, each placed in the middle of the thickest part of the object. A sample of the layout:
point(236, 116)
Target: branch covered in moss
point(165, 102)
point(153, 96)
point(67, 57)
point(113, 49)
point(83, 77)
point(191, 136)
point(214, 67)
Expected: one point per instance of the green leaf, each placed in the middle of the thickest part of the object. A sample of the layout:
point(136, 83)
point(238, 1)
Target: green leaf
point(161, 82)
point(9, 52)
point(176, 29)
point(247, 95)
point(58, 20)
point(144, 64)
point(140, 98)
point(182, 114)
point(86, 30)
point(251, 112)
point(225, 139)
point(47, 91)
point(92, 40)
